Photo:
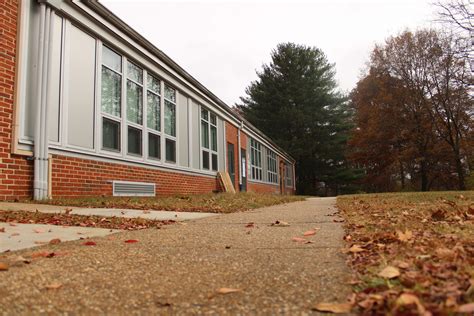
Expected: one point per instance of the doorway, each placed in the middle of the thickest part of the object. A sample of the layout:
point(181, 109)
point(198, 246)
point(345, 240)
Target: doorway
point(231, 162)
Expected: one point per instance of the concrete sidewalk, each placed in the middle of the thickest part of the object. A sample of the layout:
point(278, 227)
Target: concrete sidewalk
point(178, 269)
point(107, 212)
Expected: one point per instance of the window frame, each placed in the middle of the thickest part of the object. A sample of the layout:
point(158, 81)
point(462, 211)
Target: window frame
point(256, 167)
point(272, 169)
point(210, 151)
point(167, 136)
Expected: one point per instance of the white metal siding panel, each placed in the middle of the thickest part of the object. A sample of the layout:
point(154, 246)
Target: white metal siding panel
point(182, 122)
point(80, 79)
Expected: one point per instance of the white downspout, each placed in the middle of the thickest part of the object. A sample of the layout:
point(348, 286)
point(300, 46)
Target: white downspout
point(49, 53)
point(37, 138)
point(41, 130)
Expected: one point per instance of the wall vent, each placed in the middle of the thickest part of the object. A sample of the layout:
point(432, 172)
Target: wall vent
point(126, 188)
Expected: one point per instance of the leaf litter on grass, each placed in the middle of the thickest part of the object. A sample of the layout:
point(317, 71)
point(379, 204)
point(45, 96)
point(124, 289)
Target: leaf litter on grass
point(412, 253)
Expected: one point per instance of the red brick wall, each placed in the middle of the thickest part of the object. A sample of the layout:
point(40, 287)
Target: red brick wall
point(16, 173)
point(84, 177)
point(262, 188)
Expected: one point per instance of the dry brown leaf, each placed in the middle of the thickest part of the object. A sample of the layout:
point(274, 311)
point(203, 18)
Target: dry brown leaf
point(53, 286)
point(356, 248)
point(309, 233)
point(146, 211)
point(2, 229)
point(226, 290)
point(4, 266)
point(403, 265)
point(301, 240)
point(280, 224)
point(389, 272)
point(410, 299)
point(15, 234)
point(335, 308)
point(404, 236)
point(55, 241)
point(38, 230)
point(466, 308)
point(445, 253)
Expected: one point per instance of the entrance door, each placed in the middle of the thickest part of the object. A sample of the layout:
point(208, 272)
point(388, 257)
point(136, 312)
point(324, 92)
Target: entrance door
point(282, 177)
point(231, 162)
point(243, 170)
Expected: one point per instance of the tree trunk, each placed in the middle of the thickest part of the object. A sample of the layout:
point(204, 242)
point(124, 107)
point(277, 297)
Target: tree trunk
point(460, 172)
point(424, 177)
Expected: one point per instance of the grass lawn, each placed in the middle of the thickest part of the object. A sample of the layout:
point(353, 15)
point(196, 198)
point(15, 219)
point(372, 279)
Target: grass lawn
point(212, 202)
point(412, 253)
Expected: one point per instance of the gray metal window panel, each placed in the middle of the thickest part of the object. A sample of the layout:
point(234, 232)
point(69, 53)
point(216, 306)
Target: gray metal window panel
point(54, 81)
point(170, 118)
point(81, 86)
point(134, 139)
point(183, 133)
point(170, 147)
point(110, 134)
point(195, 136)
point(154, 146)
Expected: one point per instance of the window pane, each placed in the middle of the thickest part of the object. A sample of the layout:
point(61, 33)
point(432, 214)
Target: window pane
point(214, 138)
point(205, 134)
point(204, 115)
point(154, 150)
point(170, 150)
point(134, 72)
point(170, 94)
point(153, 113)
point(134, 141)
point(111, 92)
point(213, 119)
point(134, 102)
point(170, 118)
point(111, 59)
point(110, 134)
point(214, 162)
point(153, 84)
point(205, 160)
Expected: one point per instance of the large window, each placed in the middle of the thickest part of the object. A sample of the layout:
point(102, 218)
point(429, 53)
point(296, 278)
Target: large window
point(146, 115)
point(255, 160)
point(209, 140)
point(134, 109)
point(272, 173)
point(170, 124)
point(111, 90)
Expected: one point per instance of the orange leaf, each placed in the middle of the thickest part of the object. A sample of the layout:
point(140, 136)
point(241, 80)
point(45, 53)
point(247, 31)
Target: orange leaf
point(225, 290)
point(309, 233)
point(53, 286)
point(404, 236)
point(89, 243)
point(55, 241)
point(389, 272)
point(335, 308)
point(131, 241)
point(4, 266)
point(356, 248)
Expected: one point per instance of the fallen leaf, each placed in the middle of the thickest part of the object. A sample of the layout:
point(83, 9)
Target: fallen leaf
point(15, 234)
point(445, 253)
point(39, 230)
point(301, 240)
point(309, 233)
point(53, 286)
point(12, 224)
point(404, 236)
point(40, 242)
point(225, 290)
point(146, 212)
point(335, 308)
point(389, 272)
point(89, 243)
point(131, 241)
point(55, 241)
point(356, 248)
point(466, 308)
point(409, 299)
point(250, 225)
point(403, 265)
point(280, 224)
point(2, 229)
point(68, 210)
point(4, 266)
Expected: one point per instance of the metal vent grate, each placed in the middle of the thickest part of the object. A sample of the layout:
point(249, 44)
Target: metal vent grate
point(125, 188)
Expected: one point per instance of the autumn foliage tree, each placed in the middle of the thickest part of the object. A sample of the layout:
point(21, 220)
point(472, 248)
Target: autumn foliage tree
point(414, 114)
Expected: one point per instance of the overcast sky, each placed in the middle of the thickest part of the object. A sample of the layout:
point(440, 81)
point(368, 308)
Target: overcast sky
point(222, 43)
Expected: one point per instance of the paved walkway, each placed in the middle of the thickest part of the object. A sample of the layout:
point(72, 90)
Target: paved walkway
point(108, 212)
point(177, 270)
